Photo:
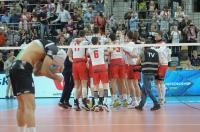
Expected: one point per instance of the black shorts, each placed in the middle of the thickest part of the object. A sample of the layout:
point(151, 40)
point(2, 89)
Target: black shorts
point(21, 78)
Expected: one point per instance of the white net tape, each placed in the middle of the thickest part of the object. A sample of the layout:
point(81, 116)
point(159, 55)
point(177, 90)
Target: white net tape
point(124, 45)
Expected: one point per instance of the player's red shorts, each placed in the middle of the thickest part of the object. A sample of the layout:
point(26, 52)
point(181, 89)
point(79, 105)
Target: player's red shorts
point(117, 68)
point(79, 70)
point(162, 69)
point(134, 72)
point(100, 73)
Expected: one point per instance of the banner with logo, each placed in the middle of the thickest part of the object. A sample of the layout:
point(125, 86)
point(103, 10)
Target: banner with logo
point(181, 83)
point(178, 83)
point(44, 87)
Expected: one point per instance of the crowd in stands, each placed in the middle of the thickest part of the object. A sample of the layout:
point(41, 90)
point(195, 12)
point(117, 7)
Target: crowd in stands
point(61, 20)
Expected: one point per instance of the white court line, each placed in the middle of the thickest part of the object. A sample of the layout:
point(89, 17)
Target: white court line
point(104, 125)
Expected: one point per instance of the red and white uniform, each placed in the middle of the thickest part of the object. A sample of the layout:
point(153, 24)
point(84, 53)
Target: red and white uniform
point(98, 65)
point(163, 53)
point(117, 64)
point(133, 66)
point(102, 40)
point(79, 68)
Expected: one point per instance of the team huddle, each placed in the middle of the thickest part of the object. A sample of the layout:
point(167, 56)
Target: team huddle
point(117, 70)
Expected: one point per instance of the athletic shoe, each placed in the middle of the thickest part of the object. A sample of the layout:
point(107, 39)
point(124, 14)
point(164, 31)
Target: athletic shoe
point(133, 105)
point(106, 108)
point(138, 108)
point(85, 105)
point(7, 97)
point(155, 107)
point(116, 103)
point(68, 104)
point(62, 105)
point(76, 104)
point(125, 103)
point(130, 100)
point(161, 101)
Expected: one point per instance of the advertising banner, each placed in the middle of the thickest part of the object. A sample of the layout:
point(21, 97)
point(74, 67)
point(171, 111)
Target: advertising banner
point(178, 83)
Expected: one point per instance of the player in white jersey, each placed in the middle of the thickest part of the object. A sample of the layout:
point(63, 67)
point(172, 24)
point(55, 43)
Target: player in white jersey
point(79, 69)
point(117, 72)
point(102, 40)
point(99, 68)
point(164, 57)
point(133, 68)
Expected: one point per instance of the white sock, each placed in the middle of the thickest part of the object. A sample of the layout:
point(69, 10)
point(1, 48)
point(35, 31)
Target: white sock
point(75, 93)
point(125, 97)
point(84, 92)
point(164, 90)
point(21, 129)
point(31, 129)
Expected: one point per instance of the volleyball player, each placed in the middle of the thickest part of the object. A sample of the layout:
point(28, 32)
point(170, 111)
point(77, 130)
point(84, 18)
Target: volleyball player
point(42, 58)
point(164, 56)
point(100, 72)
point(117, 71)
point(79, 69)
point(102, 40)
point(133, 68)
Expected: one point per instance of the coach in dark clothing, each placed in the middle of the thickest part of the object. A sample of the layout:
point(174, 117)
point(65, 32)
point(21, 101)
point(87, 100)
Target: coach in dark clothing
point(68, 86)
point(149, 61)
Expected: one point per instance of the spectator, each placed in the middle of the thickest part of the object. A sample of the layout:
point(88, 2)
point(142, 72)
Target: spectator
point(34, 21)
point(179, 14)
point(195, 59)
point(127, 16)
point(15, 7)
point(88, 16)
point(58, 7)
point(100, 21)
point(14, 18)
point(3, 8)
point(44, 23)
point(165, 16)
point(5, 18)
point(175, 37)
point(191, 32)
point(80, 24)
point(142, 9)
point(2, 37)
point(188, 65)
point(64, 17)
point(84, 5)
point(100, 6)
point(70, 27)
point(133, 22)
point(142, 29)
point(25, 19)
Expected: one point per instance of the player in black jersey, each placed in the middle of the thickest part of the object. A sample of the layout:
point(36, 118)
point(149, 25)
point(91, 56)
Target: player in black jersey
point(43, 58)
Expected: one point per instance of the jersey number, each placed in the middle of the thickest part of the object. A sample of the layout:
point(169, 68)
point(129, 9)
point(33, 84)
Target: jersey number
point(77, 44)
point(96, 54)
